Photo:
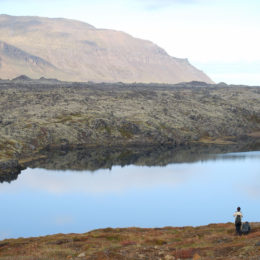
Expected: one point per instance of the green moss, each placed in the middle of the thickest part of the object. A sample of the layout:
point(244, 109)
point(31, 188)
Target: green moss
point(64, 119)
point(7, 148)
point(163, 126)
point(76, 114)
point(113, 238)
point(125, 133)
point(124, 155)
point(28, 126)
point(73, 117)
point(254, 118)
point(175, 240)
point(106, 129)
point(157, 242)
point(59, 253)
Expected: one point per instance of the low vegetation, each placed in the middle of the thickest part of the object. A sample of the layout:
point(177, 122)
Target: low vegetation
point(214, 241)
point(47, 114)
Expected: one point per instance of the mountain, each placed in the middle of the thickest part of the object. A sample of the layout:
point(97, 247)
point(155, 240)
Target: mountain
point(76, 51)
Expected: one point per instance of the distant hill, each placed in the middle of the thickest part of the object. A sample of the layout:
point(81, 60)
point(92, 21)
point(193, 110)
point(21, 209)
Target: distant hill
point(76, 51)
point(22, 77)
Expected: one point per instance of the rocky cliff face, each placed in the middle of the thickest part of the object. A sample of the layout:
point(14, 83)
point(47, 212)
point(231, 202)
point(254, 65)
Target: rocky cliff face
point(75, 51)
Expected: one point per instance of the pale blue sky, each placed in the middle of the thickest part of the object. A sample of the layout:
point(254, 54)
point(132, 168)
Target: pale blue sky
point(222, 38)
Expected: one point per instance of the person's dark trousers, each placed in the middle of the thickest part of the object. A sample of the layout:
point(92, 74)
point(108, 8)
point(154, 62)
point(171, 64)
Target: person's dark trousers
point(238, 228)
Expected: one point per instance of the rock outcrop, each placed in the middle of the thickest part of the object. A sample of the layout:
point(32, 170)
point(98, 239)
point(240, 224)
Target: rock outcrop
point(41, 115)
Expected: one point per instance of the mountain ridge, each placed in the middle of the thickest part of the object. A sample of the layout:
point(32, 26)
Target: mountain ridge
point(80, 52)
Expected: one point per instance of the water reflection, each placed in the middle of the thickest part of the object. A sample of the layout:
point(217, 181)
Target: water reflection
point(94, 159)
point(121, 179)
point(44, 202)
point(116, 180)
point(9, 176)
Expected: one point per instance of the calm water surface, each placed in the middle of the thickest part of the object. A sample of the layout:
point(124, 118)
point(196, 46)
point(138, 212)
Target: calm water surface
point(42, 202)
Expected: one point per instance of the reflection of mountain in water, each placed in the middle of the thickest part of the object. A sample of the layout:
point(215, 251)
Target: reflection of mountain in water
point(238, 156)
point(153, 156)
point(106, 158)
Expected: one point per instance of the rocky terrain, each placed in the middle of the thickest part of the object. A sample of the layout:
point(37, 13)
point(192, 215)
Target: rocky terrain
point(68, 125)
point(42, 115)
point(81, 52)
point(214, 241)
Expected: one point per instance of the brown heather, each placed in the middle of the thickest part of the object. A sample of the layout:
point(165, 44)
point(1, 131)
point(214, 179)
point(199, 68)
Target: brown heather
point(214, 241)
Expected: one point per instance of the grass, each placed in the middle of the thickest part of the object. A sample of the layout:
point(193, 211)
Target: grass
point(214, 140)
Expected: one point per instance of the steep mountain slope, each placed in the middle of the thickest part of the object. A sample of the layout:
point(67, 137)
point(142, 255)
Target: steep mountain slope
point(76, 51)
point(14, 61)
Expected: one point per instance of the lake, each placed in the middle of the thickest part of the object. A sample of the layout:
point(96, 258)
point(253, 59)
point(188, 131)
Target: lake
point(193, 192)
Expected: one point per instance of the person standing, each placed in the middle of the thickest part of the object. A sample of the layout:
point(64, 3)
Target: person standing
point(238, 220)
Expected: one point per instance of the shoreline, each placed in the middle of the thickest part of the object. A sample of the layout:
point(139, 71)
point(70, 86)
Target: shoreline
point(10, 168)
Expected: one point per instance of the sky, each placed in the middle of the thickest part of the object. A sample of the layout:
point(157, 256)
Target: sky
point(222, 38)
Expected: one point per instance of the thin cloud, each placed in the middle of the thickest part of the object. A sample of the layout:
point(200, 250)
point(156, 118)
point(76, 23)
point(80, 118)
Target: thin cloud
point(158, 4)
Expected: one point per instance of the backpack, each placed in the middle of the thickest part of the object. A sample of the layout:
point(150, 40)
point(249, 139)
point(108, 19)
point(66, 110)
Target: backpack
point(238, 219)
point(246, 228)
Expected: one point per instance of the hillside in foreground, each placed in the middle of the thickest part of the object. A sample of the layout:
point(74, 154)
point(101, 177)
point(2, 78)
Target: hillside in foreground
point(76, 51)
point(214, 241)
